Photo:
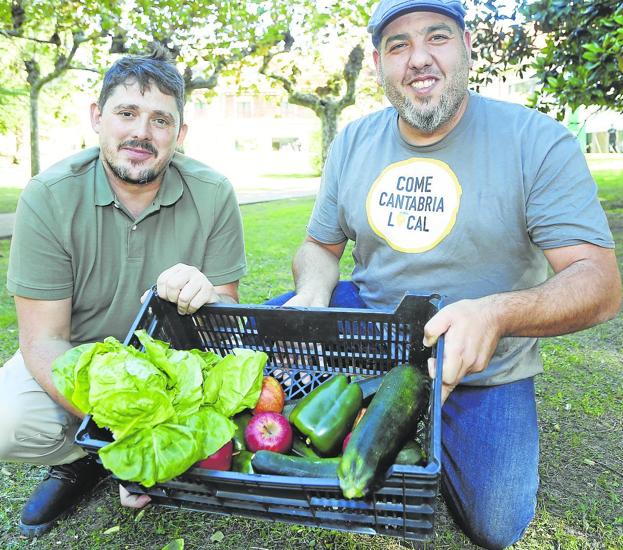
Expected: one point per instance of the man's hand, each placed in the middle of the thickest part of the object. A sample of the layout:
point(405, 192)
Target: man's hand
point(132, 501)
point(187, 287)
point(471, 333)
point(303, 300)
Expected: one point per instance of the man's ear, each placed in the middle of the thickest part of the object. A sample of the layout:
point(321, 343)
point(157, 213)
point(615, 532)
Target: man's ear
point(96, 117)
point(182, 134)
point(377, 65)
point(467, 40)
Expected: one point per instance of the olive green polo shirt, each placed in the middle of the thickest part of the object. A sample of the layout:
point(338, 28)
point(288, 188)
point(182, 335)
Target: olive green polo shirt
point(72, 239)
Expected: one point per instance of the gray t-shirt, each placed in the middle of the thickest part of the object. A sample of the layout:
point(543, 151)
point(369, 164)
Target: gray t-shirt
point(466, 217)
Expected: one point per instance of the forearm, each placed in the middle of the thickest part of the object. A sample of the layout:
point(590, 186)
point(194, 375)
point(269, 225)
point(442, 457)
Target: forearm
point(224, 298)
point(316, 273)
point(38, 358)
point(580, 296)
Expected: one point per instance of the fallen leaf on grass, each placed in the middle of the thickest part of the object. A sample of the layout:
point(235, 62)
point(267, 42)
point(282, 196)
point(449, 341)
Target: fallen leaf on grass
point(588, 462)
point(6, 472)
point(217, 537)
point(139, 516)
point(177, 544)
point(112, 530)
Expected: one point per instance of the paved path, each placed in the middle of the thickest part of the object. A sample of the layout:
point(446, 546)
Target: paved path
point(247, 196)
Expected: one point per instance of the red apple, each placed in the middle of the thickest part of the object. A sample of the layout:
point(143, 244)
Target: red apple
point(268, 431)
point(272, 397)
point(220, 460)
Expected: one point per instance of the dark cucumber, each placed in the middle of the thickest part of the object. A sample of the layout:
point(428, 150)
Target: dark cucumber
point(391, 420)
point(268, 462)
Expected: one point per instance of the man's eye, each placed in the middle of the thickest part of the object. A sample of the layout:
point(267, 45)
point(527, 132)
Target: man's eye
point(397, 46)
point(125, 114)
point(439, 37)
point(161, 122)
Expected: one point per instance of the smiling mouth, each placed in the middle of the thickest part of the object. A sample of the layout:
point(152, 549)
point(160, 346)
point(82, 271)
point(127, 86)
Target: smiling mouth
point(139, 149)
point(422, 84)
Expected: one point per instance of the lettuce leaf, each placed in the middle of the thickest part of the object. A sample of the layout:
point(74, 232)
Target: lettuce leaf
point(155, 455)
point(235, 383)
point(65, 369)
point(127, 391)
point(166, 408)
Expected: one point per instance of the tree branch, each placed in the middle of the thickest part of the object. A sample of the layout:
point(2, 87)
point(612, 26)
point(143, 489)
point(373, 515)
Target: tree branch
point(15, 34)
point(63, 63)
point(351, 73)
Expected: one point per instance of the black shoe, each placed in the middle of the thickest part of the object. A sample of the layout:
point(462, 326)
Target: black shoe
point(62, 489)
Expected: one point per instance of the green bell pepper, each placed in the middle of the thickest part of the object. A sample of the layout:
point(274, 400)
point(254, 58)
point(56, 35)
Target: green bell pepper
point(241, 462)
point(241, 420)
point(326, 414)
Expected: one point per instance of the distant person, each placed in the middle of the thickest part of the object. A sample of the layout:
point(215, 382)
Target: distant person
point(92, 233)
point(612, 140)
point(448, 191)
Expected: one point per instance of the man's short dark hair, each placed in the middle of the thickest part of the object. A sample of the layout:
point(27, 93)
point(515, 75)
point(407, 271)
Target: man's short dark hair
point(144, 70)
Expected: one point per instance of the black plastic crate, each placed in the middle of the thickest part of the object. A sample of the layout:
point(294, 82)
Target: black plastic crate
point(305, 346)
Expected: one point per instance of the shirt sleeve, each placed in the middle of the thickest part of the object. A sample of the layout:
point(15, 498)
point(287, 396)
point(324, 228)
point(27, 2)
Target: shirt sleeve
point(324, 221)
point(563, 207)
point(40, 267)
point(224, 261)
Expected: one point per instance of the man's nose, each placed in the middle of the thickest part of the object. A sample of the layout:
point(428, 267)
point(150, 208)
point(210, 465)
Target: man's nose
point(142, 128)
point(420, 57)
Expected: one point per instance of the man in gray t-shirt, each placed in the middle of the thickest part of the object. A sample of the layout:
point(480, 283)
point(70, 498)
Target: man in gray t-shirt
point(448, 191)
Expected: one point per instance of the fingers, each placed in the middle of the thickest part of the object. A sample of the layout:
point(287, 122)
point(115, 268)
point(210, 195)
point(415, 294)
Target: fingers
point(187, 287)
point(470, 341)
point(132, 501)
point(144, 296)
point(437, 325)
point(300, 300)
point(196, 292)
point(446, 390)
point(432, 367)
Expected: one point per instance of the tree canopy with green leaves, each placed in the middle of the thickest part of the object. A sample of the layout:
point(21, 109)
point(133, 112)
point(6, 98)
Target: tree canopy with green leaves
point(574, 49)
point(324, 38)
point(209, 39)
point(46, 37)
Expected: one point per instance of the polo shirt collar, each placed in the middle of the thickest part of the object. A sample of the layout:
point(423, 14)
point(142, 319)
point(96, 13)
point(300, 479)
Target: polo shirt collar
point(169, 193)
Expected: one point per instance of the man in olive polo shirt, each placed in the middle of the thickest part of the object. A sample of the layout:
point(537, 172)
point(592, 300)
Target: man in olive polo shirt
point(92, 233)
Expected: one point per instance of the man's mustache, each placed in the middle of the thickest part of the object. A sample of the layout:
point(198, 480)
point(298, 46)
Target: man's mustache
point(136, 144)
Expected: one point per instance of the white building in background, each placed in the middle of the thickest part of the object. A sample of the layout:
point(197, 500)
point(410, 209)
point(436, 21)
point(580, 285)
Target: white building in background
point(258, 133)
point(246, 136)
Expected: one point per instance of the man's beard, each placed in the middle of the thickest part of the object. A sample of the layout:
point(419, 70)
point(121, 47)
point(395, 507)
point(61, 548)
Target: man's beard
point(144, 176)
point(420, 115)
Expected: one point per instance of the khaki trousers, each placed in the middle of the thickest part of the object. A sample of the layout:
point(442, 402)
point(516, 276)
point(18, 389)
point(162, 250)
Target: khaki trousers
point(33, 428)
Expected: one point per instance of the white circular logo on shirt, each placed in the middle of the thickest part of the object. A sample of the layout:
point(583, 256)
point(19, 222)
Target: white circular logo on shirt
point(413, 204)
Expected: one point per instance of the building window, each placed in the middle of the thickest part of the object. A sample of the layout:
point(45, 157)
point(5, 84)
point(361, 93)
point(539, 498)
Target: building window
point(244, 108)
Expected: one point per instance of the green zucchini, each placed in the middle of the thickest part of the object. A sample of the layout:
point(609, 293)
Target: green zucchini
point(269, 462)
point(370, 385)
point(391, 420)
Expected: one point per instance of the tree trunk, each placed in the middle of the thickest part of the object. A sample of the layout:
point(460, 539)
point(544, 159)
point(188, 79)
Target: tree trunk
point(328, 124)
point(34, 131)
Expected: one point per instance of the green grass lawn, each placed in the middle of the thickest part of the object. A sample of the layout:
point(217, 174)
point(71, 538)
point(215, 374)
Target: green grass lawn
point(8, 199)
point(580, 396)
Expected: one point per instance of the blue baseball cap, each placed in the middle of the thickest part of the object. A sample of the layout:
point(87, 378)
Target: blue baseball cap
point(388, 10)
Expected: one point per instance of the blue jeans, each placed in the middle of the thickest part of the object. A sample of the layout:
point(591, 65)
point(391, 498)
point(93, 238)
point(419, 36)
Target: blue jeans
point(490, 451)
